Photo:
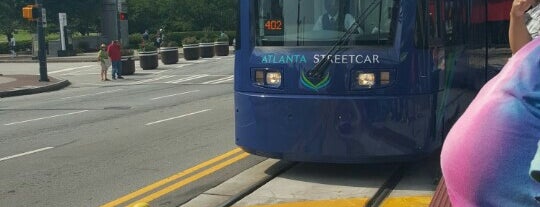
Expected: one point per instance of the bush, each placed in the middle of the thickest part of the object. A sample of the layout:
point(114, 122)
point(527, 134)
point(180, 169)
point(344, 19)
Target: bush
point(126, 52)
point(24, 45)
point(171, 44)
point(190, 40)
point(135, 40)
point(180, 36)
point(148, 47)
point(222, 38)
point(206, 39)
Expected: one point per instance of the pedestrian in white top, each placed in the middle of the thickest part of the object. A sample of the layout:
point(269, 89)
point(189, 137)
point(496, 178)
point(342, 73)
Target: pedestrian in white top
point(12, 47)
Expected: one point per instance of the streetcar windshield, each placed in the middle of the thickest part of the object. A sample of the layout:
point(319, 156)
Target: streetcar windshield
point(323, 22)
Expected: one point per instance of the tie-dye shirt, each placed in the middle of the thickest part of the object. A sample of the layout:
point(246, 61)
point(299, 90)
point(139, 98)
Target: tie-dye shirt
point(487, 154)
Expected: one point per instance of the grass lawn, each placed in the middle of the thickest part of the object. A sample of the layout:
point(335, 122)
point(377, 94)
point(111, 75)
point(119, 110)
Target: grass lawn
point(22, 35)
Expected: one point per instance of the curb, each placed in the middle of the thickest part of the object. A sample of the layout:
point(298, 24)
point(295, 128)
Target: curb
point(28, 91)
point(228, 190)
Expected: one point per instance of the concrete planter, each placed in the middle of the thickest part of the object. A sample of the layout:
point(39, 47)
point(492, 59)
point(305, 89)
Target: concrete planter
point(128, 65)
point(221, 48)
point(207, 50)
point(191, 52)
point(169, 55)
point(148, 60)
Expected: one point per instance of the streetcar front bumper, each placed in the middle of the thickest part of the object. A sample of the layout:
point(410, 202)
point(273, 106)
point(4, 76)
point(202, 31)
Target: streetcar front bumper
point(336, 129)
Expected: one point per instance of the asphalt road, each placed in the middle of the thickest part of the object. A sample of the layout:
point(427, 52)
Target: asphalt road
point(95, 142)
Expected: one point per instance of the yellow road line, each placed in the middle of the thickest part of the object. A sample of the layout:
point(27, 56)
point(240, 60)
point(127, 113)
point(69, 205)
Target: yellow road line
point(412, 201)
point(350, 202)
point(169, 179)
point(188, 180)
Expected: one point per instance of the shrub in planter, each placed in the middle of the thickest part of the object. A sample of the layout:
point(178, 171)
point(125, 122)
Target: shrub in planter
point(148, 57)
point(128, 64)
point(190, 46)
point(221, 45)
point(169, 54)
point(207, 48)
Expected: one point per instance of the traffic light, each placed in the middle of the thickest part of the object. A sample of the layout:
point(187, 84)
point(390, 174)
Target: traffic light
point(30, 12)
point(123, 16)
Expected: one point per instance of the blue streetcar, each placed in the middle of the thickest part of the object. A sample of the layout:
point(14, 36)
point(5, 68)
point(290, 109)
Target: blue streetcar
point(352, 81)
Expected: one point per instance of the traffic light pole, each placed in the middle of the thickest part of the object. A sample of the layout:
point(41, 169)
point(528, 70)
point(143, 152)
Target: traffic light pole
point(43, 77)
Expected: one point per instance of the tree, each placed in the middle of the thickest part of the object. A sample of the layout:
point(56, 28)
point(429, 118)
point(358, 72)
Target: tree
point(11, 16)
point(83, 15)
point(182, 15)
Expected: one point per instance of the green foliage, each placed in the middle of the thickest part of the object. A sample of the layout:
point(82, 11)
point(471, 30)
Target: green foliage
point(171, 44)
point(222, 38)
point(181, 15)
point(206, 39)
point(126, 52)
point(190, 40)
point(25, 45)
point(180, 36)
point(148, 47)
point(135, 40)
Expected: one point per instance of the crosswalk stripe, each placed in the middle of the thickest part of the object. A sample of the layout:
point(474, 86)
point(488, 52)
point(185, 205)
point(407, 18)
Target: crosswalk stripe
point(154, 79)
point(188, 78)
point(221, 80)
point(183, 65)
point(70, 69)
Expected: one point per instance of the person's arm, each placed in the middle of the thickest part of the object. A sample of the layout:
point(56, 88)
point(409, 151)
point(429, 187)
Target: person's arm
point(99, 56)
point(349, 22)
point(517, 33)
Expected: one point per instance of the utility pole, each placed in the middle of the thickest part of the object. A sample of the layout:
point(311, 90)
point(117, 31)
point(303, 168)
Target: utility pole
point(118, 10)
point(42, 56)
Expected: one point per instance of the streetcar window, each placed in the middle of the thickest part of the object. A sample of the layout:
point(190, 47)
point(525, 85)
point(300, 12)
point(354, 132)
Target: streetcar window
point(323, 22)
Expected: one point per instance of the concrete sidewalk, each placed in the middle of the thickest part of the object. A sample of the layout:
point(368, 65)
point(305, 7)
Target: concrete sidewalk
point(17, 85)
point(23, 58)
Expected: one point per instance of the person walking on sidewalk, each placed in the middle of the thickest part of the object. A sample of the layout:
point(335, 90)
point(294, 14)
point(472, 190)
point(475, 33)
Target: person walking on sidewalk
point(116, 59)
point(104, 61)
point(12, 47)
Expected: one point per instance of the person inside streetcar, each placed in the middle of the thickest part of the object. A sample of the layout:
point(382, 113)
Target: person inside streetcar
point(333, 20)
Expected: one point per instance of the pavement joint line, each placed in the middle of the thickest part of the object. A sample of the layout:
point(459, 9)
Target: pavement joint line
point(48, 117)
point(25, 153)
point(177, 117)
point(172, 178)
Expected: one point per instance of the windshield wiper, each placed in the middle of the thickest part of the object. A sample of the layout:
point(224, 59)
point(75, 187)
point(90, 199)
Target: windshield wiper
point(318, 72)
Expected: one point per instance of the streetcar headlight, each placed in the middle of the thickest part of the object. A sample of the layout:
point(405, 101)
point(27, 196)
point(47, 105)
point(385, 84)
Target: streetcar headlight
point(273, 78)
point(366, 79)
point(267, 77)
